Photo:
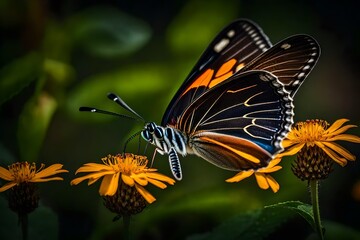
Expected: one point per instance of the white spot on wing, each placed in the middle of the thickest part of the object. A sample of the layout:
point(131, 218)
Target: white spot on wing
point(231, 33)
point(285, 46)
point(221, 45)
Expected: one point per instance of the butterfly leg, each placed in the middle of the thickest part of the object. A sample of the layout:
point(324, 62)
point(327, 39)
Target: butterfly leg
point(153, 158)
point(175, 164)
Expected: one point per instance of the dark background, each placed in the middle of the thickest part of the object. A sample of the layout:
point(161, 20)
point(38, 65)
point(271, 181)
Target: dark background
point(59, 55)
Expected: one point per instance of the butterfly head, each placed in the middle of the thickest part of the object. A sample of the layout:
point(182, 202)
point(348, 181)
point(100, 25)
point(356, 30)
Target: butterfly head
point(151, 132)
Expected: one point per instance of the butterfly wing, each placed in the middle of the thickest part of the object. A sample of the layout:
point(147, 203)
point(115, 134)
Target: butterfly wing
point(240, 123)
point(290, 60)
point(234, 47)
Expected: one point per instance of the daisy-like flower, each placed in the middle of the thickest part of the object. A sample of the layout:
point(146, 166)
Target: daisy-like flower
point(319, 133)
point(314, 143)
point(21, 172)
point(22, 177)
point(124, 173)
point(262, 176)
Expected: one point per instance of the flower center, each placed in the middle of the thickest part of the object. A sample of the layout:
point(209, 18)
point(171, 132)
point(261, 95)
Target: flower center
point(310, 131)
point(23, 171)
point(126, 164)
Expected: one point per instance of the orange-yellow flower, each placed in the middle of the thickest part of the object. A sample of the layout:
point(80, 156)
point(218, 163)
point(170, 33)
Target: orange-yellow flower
point(21, 172)
point(262, 175)
point(319, 133)
point(129, 168)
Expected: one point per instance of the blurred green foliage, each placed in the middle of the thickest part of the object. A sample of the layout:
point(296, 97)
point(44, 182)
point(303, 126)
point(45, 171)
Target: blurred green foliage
point(58, 56)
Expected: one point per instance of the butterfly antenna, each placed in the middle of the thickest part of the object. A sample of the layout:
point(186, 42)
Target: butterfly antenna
point(118, 100)
point(129, 139)
point(95, 110)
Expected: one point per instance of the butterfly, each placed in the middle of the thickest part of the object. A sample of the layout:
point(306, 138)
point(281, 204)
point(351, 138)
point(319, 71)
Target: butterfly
point(236, 105)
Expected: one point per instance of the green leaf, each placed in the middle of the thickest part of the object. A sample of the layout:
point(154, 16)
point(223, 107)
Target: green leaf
point(33, 123)
point(269, 218)
point(107, 32)
point(247, 225)
point(18, 74)
point(303, 209)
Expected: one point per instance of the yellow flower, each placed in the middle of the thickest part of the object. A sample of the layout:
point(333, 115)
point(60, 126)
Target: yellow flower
point(23, 172)
point(318, 133)
point(262, 175)
point(125, 168)
point(22, 177)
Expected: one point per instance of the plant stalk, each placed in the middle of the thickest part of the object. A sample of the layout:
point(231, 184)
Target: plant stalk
point(23, 221)
point(314, 192)
point(126, 222)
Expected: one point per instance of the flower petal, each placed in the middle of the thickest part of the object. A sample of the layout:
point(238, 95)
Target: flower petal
point(78, 180)
point(148, 197)
point(140, 179)
point(339, 131)
point(113, 185)
point(274, 162)
point(274, 185)
point(333, 155)
point(109, 185)
point(261, 180)
point(94, 167)
point(93, 180)
point(291, 151)
point(49, 171)
point(161, 177)
point(288, 142)
point(269, 170)
point(336, 125)
point(7, 186)
point(127, 180)
point(345, 137)
point(339, 149)
point(240, 176)
point(46, 179)
point(5, 174)
point(157, 183)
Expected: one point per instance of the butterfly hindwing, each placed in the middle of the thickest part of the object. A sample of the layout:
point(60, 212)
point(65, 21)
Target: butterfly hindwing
point(240, 123)
point(235, 46)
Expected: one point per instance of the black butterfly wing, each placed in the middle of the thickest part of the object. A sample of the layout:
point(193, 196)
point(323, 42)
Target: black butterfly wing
point(240, 123)
point(290, 60)
point(234, 47)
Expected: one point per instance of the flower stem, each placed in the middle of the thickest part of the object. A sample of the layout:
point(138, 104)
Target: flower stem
point(126, 222)
point(314, 191)
point(23, 221)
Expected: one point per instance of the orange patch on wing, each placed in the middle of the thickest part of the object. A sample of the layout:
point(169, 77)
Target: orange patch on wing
point(206, 79)
point(203, 80)
point(226, 67)
point(247, 156)
point(218, 80)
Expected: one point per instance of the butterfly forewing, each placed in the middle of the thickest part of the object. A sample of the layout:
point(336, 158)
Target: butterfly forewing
point(233, 48)
point(239, 124)
point(291, 60)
